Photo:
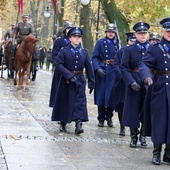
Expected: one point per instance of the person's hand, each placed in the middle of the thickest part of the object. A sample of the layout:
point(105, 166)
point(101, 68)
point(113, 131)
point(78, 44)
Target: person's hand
point(148, 81)
point(90, 91)
point(73, 79)
point(135, 86)
point(101, 72)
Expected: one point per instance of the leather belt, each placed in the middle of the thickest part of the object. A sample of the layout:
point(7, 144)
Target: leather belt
point(111, 61)
point(77, 72)
point(137, 70)
point(161, 73)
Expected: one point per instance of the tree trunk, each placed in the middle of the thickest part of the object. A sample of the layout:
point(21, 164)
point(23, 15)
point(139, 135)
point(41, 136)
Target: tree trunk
point(113, 14)
point(84, 23)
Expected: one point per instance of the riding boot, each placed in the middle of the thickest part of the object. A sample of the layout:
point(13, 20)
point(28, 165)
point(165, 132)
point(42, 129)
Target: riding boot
point(156, 159)
point(101, 116)
point(63, 127)
point(166, 157)
point(134, 137)
point(142, 137)
point(122, 131)
point(79, 128)
point(122, 128)
point(109, 115)
point(109, 122)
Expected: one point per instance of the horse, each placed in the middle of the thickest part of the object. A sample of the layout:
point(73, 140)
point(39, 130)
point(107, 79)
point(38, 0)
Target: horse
point(9, 61)
point(23, 60)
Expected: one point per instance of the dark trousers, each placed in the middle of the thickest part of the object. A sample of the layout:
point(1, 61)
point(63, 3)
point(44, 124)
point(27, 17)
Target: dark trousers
point(104, 113)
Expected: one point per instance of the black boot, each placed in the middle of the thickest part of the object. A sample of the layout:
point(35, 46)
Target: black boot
point(122, 128)
point(79, 128)
point(101, 115)
point(166, 157)
point(63, 127)
point(101, 124)
point(109, 122)
point(122, 131)
point(156, 159)
point(109, 115)
point(142, 137)
point(134, 138)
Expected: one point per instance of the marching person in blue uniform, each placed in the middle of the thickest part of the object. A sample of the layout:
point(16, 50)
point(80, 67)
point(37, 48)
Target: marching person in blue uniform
point(135, 90)
point(120, 87)
point(157, 124)
point(154, 37)
point(70, 101)
point(105, 74)
point(58, 44)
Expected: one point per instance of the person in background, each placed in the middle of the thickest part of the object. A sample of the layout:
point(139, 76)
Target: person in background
point(70, 102)
point(157, 124)
point(60, 32)
point(43, 51)
point(133, 110)
point(154, 37)
point(48, 58)
point(10, 33)
point(121, 87)
point(105, 74)
point(58, 44)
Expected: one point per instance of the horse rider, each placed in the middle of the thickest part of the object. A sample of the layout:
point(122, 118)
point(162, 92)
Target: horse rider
point(23, 29)
point(10, 32)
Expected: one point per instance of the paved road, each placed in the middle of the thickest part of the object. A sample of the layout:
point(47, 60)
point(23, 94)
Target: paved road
point(29, 140)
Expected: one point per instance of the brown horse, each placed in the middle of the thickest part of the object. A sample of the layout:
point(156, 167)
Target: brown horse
point(8, 49)
point(23, 59)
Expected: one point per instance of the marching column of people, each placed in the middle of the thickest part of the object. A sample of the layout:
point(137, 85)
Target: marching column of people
point(121, 76)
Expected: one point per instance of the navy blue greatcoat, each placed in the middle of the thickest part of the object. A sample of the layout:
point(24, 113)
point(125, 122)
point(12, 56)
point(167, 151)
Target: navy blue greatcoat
point(104, 49)
point(120, 86)
point(159, 114)
point(58, 44)
point(70, 100)
point(134, 100)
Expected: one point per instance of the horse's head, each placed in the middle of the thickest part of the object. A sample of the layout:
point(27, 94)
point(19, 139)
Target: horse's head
point(30, 43)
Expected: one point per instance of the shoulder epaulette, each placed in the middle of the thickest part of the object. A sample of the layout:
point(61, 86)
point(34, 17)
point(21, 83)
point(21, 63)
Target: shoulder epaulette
point(64, 47)
point(85, 49)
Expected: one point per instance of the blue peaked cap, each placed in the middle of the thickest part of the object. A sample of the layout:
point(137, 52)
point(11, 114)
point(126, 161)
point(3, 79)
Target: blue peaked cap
point(141, 27)
point(75, 31)
point(165, 23)
point(131, 36)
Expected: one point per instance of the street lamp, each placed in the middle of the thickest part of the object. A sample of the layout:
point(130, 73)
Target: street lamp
point(98, 15)
point(85, 2)
point(47, 12)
